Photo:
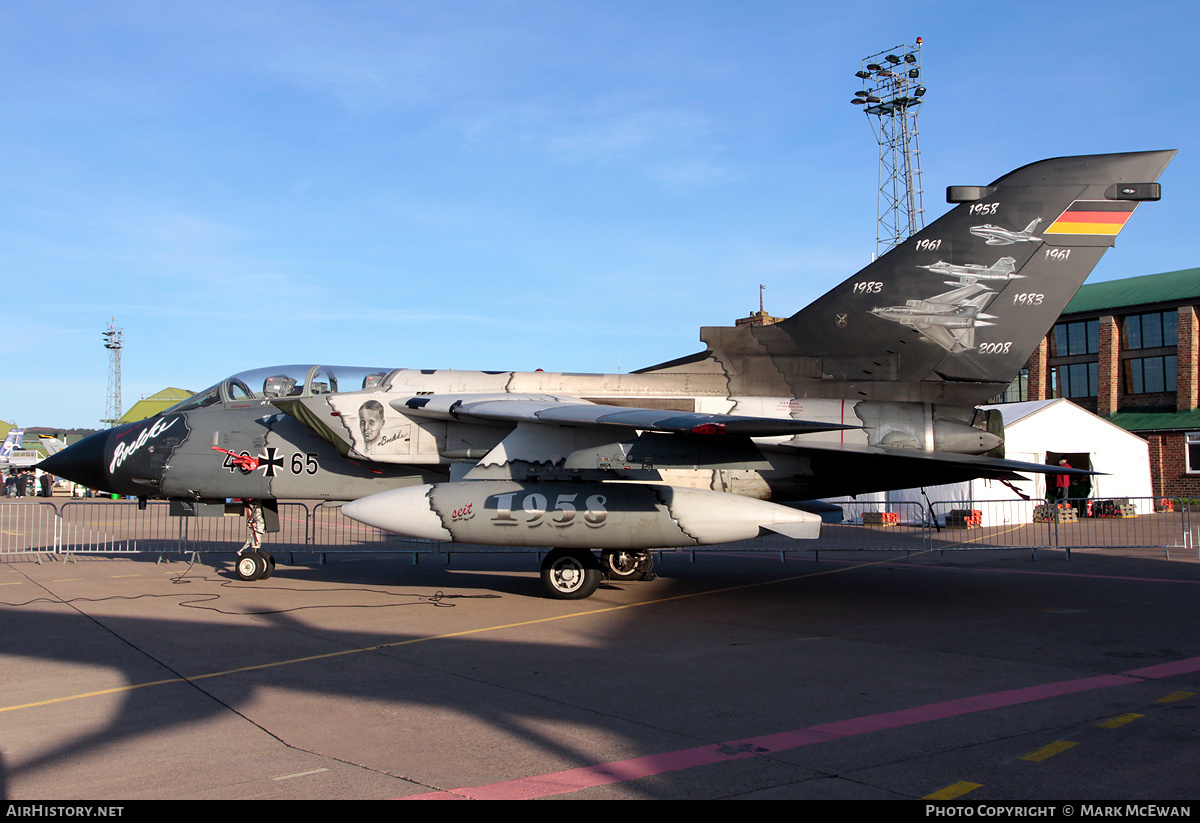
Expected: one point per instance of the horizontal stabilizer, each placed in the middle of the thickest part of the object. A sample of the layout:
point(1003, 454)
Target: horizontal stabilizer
point(845, 469)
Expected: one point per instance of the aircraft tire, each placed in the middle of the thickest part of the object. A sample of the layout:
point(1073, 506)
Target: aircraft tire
point(570, 575)
point(268, 565)
point(250, 566)
point(625, 565)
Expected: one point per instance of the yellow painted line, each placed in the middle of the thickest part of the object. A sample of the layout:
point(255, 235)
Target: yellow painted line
point(1175, 697)
point(1118, 721)
point(123, 576)
point(299, 774)
point(977, 539)
point(91, 694)
point(953, 790)
point(1045, 752)
point(412, 641)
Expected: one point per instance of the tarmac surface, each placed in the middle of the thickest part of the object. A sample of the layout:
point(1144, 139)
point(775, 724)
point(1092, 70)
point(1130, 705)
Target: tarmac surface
point(986, 676)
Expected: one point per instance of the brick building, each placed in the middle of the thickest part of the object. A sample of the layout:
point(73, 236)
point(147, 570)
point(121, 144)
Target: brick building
point(1127, 351)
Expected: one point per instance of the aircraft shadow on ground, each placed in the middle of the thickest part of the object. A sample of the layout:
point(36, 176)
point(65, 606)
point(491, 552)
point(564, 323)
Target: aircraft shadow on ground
point(490, 679)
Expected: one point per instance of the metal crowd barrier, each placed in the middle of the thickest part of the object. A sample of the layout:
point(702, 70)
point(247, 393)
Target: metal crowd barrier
point(121, 527)
point(941, 526)
point(896, 527)
point(1073, 523)
point(28, 527)
point(1163, 523)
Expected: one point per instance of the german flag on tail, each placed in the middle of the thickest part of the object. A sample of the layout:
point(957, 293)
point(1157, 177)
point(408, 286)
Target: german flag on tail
point(1103, 217)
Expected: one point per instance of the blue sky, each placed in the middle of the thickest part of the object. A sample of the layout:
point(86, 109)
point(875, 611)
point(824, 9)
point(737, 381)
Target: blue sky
point(509, 185)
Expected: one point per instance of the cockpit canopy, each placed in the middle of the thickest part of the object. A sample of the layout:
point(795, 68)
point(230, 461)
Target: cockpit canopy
point(288, 381)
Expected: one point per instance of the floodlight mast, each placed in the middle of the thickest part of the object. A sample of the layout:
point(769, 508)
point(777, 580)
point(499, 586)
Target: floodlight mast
point(891, 98)
point(114, 341)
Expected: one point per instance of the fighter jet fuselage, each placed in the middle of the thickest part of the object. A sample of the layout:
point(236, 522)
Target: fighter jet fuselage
point(874, 386)
point(194, 452)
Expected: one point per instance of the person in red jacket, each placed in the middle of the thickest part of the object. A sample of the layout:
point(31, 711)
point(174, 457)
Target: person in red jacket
point(1062, 482)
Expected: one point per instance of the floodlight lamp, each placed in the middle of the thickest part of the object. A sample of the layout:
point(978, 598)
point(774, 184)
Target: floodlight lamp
point(863, 74)
point(910, 58)
point(893, 59)
point(873, 67)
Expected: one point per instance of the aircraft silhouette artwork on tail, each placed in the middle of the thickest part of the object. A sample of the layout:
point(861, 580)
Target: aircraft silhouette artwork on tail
point(873, 386)
point(997, 236)
point(1003, 269)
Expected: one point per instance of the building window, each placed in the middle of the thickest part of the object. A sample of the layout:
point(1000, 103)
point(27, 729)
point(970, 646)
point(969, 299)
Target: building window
point(1149, 331)
point(1148, 375)
point(1193, 452)
point(1017, 391)
point(1076, 380)
point(1082, 337)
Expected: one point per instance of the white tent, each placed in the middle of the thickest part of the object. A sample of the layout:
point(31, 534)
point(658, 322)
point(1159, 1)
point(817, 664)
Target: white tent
point(1038, 431)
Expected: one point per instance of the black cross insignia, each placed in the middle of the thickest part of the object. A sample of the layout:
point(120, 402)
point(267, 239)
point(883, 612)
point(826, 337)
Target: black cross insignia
point(270, 462)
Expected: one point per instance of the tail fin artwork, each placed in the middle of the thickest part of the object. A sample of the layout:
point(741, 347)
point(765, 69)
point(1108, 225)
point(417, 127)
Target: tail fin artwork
point(15, 440)
point(893, 331)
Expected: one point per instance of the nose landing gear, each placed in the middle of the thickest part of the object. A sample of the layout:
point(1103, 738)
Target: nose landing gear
point(254, 565)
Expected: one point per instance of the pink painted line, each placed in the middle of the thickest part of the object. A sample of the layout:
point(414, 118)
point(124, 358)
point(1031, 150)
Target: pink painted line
point(572, 780)
point(773, 556)
point(1122, 577)
point(986, 570)
point(1166, 669)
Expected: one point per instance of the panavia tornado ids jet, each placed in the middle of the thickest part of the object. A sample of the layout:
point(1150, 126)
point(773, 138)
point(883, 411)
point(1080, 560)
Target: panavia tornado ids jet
point(948, 319)
point(843, 397)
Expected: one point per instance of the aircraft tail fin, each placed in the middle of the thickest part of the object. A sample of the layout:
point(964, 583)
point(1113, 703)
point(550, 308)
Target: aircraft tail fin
point(52, 444)
point(14, 440)
point(891, 332)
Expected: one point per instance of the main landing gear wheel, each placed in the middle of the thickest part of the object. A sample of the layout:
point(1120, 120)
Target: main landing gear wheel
point(623, 565)
point(570, 575)
point(254, 565)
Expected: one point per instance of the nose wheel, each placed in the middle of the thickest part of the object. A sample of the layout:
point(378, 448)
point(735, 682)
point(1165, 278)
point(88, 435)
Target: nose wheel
point(254, 565)
point(570, 574)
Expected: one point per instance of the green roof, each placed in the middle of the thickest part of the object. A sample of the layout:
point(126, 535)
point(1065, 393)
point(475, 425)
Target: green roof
point(1168, 287)
point(155, 403)
point(1156, 420)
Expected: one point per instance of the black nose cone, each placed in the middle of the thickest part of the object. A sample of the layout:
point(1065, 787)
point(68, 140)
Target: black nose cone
point(82, 463)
